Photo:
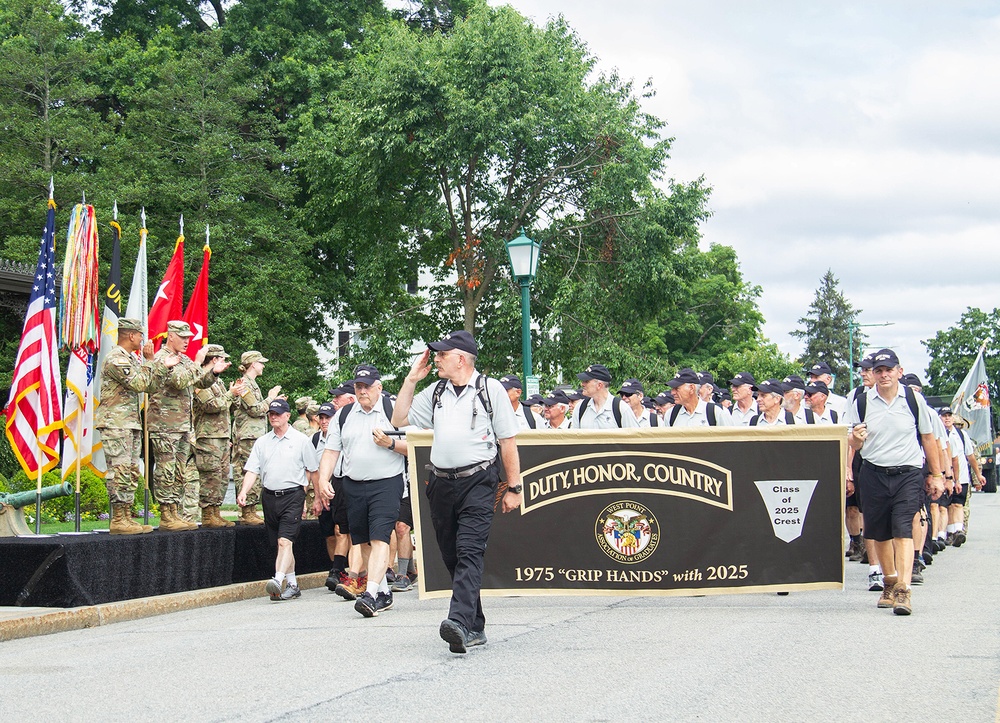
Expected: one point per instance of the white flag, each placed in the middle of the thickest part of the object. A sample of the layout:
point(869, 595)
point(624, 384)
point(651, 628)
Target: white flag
point(138, 295)
point(972, 402)
point(78, 414)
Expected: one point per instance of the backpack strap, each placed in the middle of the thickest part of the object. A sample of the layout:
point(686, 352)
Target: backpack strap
point(654, 420)
point(436, 397)
point(789, 417)
point(342, 417)
point(616, 410)
point(710, 413)
point(315, 438)
point(387, 408)
point(862, 400)
point(529, 417)
point(583, 406)
point(810, 416)
point(674, 412)
point(833, 416)
point(753, 420)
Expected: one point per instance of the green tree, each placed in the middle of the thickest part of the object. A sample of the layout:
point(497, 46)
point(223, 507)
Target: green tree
point(143, 20)
point(438, 147)
point(47, 110)
point(953, 350)
point(825, 330)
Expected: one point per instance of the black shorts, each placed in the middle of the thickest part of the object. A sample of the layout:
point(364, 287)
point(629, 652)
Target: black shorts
point(943, 501)
point(891, 501)
point(283, 513)
point(960, 498)
point(373, 508)
point(326, 523)
point(406, 511)
point(338, 506)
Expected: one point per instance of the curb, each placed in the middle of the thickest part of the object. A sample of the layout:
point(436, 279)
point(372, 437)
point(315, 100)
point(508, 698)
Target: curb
point(92, 616)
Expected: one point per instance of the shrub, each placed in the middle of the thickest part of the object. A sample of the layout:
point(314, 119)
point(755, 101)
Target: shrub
point(93, 495)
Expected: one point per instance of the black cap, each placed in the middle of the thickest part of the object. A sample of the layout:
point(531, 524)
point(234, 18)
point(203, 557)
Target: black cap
point(365, 374)
point(865, 362)
point(743, 378)
point(648, 403)
point(576, 395)
point(461, 340)
point(532, 400)
point(817, 388)
point(595, 371)
point(912, 380)
point(326, 409)
point(706, 378)
point(278, 406)
point(684, 376)
point(632, 386)
point(555, 397)
point(771, 386)
point(885, 358)
point(820, 368)
point(511, 381)
point(794, 381)
point(345, 388)
point(945, 410)
point(664, 398)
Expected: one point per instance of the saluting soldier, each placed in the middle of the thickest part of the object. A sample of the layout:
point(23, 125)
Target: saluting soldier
point(122, 378)
point(171, 427)
point(249, 423)
point(211, 446)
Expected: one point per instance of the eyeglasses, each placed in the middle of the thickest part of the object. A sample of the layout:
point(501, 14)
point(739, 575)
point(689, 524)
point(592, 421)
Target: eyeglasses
point(626, 395)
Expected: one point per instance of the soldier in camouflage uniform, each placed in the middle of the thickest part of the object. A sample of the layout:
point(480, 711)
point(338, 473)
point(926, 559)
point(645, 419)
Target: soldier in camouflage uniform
point(211, 445)
point(249, 423)
point(302, 405)
point(170, 424)
point(122, 378)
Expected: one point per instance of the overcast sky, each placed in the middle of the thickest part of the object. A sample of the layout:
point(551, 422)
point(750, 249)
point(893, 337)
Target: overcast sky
point(860, 137)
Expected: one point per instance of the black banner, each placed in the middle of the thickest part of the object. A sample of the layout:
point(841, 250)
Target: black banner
point(659, 512)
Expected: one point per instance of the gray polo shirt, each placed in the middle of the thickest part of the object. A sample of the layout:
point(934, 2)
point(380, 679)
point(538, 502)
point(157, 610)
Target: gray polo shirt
point(604, 418)
point(363, 460)
point(282, 462)
point(741, 418)
point(699, 418)
point(460, 437)
point(892, 433)
point(779, 421)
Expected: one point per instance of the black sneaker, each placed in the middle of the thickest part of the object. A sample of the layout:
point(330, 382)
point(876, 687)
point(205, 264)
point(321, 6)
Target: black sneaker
point(333, 579)
point(455, 635)
point(960, 539)
point(475, 637)
point(383, 601)
point(939, 544)
point(390, 575)
point(928, 558)
point(366, 605)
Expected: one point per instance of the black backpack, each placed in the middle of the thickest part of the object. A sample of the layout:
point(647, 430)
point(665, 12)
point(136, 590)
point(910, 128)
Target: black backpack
point(616, 409)
point(709, 412)
point(345, 410)
point(481, 392)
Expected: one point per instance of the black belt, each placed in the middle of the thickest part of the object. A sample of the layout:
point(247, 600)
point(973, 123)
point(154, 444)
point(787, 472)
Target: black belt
point(282, 493)
point(891, 471)
point(459, 472)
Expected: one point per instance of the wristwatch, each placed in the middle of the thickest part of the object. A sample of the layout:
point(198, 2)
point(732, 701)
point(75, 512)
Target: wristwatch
point(516, 489)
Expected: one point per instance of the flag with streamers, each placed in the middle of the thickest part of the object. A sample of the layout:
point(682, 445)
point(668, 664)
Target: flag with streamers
point(81, 335)
point(197, 310)
point(112, 301)
point(972, 402)
point(34, 410)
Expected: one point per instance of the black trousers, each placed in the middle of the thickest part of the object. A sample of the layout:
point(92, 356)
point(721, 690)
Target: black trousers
point(462, 513)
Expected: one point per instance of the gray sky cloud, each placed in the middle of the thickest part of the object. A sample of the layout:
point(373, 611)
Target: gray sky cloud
point(860, 137)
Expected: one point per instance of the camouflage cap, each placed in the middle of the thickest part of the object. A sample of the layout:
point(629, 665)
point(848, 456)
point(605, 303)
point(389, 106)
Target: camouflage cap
point(215, 350)
point(126, 324)
point(181, 328)
point(313, 409)
point(249, 357)
point(303, 402)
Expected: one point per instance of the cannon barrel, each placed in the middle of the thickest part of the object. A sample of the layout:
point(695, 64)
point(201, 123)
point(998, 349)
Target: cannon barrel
point(23, 499)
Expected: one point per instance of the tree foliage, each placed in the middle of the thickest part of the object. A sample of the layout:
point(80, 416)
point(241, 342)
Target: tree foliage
point(825, 329)
point(953, 351)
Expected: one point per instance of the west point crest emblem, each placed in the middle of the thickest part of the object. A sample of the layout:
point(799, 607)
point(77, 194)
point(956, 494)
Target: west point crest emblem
point(627, 531)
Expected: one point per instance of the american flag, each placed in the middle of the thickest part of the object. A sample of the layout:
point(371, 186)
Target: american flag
point(34, 414)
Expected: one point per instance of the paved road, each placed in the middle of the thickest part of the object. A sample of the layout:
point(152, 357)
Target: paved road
point(810, 656)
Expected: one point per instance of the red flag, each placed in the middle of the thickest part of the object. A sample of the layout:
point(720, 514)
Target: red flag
point(168, 303)
point(197, 312)
point(34, 412)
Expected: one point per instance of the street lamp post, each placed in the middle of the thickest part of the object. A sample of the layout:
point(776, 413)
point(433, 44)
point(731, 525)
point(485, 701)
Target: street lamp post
point(523, 254)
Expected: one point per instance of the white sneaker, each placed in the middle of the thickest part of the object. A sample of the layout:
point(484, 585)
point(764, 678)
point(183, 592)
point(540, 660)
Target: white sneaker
point(875, 583)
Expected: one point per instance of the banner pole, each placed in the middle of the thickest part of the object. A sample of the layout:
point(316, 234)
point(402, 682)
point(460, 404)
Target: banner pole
point(38, 495)
point(145, 463)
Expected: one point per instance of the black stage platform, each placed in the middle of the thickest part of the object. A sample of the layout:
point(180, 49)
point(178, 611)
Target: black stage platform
point(74, 570)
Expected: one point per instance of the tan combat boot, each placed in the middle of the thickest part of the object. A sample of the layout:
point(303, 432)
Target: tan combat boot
point(217, 511)
point(121, 520)
point(210, 518)
point(169, 520)
point(249, 516)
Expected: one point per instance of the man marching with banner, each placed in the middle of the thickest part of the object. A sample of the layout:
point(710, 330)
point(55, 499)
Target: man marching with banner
point(971, 404)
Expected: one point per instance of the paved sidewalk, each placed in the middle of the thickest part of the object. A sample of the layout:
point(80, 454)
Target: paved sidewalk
point(817, 656)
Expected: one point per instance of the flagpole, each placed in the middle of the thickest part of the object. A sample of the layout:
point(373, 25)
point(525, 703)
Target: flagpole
point(142, 404)
point(38, 441)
